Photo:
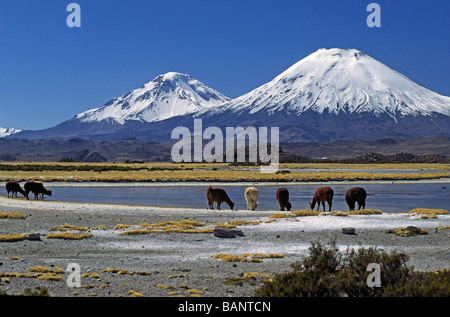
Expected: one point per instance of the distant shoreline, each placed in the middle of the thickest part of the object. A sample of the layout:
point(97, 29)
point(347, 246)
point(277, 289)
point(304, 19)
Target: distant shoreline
point(170, 183)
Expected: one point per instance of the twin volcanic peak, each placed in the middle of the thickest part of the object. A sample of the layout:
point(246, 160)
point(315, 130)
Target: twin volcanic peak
point(329, 95)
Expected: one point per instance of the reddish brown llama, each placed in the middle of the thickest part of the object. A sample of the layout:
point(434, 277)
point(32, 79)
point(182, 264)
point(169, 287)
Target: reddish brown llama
point(322, 195)
point(37, 189)
point(218, 196)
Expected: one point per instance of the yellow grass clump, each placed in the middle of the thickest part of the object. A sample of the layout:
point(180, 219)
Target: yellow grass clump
point(246, 257)
point(91, 274)
point(182, 226)
point(338, 213)
point(125, 272)
point(69, 236)
point(39, 275)
point(409, 231)
point(66, 227)
point(13, 237)
point(193, 291)
point(229, 258)
point(428, 211)
point(305, 213)
point(364, 212)
point(50, 277)
point(11, 274)
point(135, 294)
point(279, 215)
point(11, 215)
point(42, 269)
point(254, 275)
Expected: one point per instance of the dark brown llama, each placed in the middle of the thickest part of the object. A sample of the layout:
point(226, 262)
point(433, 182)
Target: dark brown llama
point(218, 196)
point(282, 195)
point(37, 188)
point(356, 194)
point(322, 195)
point(14, 188)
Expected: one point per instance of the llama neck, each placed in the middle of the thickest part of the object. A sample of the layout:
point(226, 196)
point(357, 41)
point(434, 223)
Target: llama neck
point(228, 201)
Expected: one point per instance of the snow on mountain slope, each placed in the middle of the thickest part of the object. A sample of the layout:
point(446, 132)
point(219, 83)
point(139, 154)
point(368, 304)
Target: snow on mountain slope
point(168, 95)
point(340, 80)
point(8, 131)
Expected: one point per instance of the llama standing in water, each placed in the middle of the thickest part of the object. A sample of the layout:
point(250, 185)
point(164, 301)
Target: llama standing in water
point(251, 196)
point(14, 188)
point(322, 195)
point(356, 194)
point(218, 196)
point(282, 195)
point(37, 188)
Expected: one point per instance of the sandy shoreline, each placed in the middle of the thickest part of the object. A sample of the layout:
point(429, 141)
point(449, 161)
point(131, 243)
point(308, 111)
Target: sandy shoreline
point(182, 263)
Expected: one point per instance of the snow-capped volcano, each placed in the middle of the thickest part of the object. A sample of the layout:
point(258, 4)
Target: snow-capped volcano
point(341, 80)
point(8, 131)
point(332, 94)
point(168, 95)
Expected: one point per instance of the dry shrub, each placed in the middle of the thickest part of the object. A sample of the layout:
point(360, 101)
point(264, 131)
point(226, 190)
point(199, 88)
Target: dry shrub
point(327, 272)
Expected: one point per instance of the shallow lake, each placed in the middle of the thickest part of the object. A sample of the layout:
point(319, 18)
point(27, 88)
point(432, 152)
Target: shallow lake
point(388, 197)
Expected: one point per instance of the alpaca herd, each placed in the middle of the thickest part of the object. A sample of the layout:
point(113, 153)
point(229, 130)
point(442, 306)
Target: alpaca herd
point(321, 196)
point(218, 196)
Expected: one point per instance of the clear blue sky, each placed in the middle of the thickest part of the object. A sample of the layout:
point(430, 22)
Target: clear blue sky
point(50, 72)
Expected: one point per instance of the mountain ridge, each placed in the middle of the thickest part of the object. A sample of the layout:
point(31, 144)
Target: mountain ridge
point(329, 95)
point(8, 131)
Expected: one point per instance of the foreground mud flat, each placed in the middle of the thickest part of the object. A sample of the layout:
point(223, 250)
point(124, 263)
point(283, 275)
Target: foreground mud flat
point(186, 261)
